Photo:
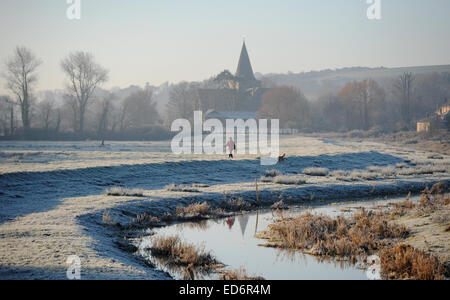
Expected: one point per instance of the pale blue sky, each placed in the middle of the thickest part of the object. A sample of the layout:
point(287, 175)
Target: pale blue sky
point(155, 41)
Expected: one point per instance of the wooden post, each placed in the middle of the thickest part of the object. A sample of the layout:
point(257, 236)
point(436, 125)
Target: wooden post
point(257, 196)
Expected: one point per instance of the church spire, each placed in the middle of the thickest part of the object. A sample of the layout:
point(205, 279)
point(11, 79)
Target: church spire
point(244, 70)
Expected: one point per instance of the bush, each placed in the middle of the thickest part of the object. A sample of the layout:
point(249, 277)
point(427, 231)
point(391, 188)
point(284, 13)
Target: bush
point(120, 191)
point(404, 262)
point(316, 171)
point(180, 253)
point(194, 210)
point(290, 180)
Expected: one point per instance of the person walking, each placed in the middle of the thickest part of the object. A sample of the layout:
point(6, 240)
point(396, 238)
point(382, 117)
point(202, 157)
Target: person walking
point(231, 146)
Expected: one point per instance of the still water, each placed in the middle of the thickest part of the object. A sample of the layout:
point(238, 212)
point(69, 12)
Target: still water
point(232, 241)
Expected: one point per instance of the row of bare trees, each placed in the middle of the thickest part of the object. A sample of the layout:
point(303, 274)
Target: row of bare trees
point(84, 76)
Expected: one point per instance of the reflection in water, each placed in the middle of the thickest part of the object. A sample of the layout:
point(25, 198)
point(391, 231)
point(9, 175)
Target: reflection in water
point(243, 221)
point(201, 225)
point(257, 220)
point(179, 272)
point(230, 222)
point(226, 243)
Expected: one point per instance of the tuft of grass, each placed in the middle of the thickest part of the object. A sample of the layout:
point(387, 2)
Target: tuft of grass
point(272, 173)
point(316, 171)
point(279, 205)
point(120, 191)
point(181, 188)
point(401, 208)
point(107, 219)
point(321, 235)
point(238, 275)
point(290, 180)
point(236, 204)
point(433, 200)
point(179, 253)
point(194, 210)
point(404, 262)
point(265, 179)
point(355, 175)
point(147, 220)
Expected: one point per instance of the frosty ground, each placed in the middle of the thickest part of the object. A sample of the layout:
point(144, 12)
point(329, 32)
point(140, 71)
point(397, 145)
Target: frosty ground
point(52, 195)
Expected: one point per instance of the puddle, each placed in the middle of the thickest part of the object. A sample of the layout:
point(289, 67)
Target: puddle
point(233, 243)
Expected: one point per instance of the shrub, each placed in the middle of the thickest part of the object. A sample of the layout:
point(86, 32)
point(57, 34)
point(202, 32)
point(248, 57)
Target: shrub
point(272, 173)
point(240, 274)
point(290, 180)
point(404, 262)
point(194, 210)
point(181, 188)
point(180, 253)
point(321, 235)
point(119, 191)
point(316, 171)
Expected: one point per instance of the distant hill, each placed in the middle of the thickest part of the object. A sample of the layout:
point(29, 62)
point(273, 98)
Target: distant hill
point(317, 83)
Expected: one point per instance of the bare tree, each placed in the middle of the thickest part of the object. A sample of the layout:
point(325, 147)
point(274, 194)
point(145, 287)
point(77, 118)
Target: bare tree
point(181, 101)
point(139, 110)
point(404, 85)
point(6, 115)
point(85, 75)
point(45, 110)
point(20, 76)
point(104, 113)
point(288, 105)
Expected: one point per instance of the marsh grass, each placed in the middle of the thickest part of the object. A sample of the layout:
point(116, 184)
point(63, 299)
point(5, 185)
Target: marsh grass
point(401, 208)
point(279, 205)
point(182, 188)
point(147, 220)
point(177, 252)
point(290, 180)
point(194, 210)
point(107, 219)
point(272, 173)
point(238, 275)
point(404, 262)
point(316, 171)
point(376, 172)
point(120, 192)
point(236, 204)
point(361, 235)
point(433, 199)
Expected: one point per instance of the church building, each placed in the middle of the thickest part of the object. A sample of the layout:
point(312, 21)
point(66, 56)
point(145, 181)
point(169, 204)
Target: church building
point(240, 96)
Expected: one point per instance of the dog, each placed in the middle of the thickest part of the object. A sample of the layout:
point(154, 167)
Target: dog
point(282, 158)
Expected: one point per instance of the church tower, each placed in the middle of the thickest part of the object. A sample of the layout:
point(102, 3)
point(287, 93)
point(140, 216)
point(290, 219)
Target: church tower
point(245, 76)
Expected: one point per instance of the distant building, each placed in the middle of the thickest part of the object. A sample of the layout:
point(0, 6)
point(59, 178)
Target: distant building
point(429, 124)
point(444, 109)
point(244, 92)
point(437, 121)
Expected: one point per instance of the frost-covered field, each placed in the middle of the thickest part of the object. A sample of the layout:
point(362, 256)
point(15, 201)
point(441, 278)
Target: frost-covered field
point(52, 195)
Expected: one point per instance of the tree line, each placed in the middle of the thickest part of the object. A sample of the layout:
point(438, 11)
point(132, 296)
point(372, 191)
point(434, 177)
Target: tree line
point(86, 113)
point(22, 115)
point(361, 105)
